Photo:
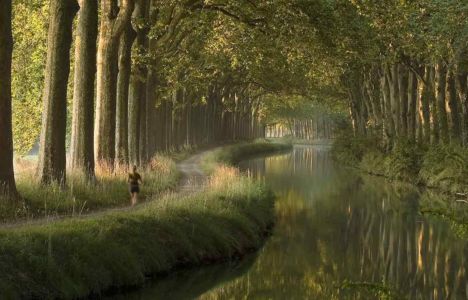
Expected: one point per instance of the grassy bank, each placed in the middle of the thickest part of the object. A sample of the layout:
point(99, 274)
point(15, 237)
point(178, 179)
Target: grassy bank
point(234, 153)
point(306, 142)
point(80, 196)
point(76, 257)
point(443, 167)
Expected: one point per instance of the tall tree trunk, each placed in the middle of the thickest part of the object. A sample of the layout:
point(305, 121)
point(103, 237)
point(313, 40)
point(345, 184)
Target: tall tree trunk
point(7, 177)
point(390, 131)
point(189, 118)
point(82, 151)
point(372, 89)
point(403, 95)
point(114, 20)
point(424, 105)
point(440, 80)
point(392, 78)
point(123, 84)
point(461, 82)
point(168, 123)
point(429, 92)
point(139, 76)
point(150, 113)
point(162, 124)
point(412, 101)
point(352, 113)
point(453, 104)
point(143, 137)
point(52, 156)
point(134, 119)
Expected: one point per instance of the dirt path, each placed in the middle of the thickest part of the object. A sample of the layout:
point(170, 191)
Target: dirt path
point(192, 180)
point(193, 177)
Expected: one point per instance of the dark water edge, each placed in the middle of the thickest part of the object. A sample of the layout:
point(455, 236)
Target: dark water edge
point(339, 235)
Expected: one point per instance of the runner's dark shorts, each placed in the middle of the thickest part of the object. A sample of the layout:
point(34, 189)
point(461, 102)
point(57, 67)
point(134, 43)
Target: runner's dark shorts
point(134, 189)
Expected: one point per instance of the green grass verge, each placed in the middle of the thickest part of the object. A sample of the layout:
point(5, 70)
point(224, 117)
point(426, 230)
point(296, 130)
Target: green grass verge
point(78, 257)
point(298, 141)
point(444, 167)
point(234, 153)
point(81, 196)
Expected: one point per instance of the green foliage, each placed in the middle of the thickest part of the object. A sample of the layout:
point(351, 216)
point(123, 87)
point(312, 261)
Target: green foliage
point(379, 290)
point(286, 57)
point(350, 149)
point(285, 108)
point(73, 258)
point(439, 166)
point(446, 167)
point(374, 163)
point(404, 161)
point(29, 54)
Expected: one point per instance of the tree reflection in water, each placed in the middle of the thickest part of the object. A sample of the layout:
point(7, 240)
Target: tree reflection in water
point(334, 227)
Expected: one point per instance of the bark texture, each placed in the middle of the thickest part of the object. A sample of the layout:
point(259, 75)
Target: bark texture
point(82, 152)
point(114, 19)
point(440, 78)
point(134, 116)
point(123, 84)
point(52, 156)
point(7, 178)
point(137, 101)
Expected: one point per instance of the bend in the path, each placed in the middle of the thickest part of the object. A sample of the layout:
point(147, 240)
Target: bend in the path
point(193, 178)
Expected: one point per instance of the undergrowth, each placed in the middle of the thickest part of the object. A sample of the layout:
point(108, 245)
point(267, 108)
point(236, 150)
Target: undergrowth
point(446, 167)
point(439, 166)
point(79, 196)
point(378, 290)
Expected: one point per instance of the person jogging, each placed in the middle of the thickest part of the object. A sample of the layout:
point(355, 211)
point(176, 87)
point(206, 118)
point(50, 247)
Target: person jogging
point(134, 181)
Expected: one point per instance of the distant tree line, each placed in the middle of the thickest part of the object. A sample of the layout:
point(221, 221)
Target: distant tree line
point(320, 128)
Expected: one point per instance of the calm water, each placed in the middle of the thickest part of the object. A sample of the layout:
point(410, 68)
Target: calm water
point(338, 236)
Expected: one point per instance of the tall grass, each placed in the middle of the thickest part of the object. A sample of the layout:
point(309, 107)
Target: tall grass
point(79, 196)
point(234, 153)
point(75, 257)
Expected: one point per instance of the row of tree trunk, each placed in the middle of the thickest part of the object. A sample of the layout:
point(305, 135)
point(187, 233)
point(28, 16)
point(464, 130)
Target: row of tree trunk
point(184, 121)
point(118, 117)
point(427, 104)
point(318, 128)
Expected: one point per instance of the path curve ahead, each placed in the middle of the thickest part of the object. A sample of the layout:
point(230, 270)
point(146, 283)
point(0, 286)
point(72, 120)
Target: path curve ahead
point(193, 178)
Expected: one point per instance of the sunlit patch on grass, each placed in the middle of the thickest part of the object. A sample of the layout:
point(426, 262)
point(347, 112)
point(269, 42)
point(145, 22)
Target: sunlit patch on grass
point(80, 196)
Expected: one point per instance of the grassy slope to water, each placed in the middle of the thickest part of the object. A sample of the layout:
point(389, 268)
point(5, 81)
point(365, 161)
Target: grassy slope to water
point(444, 167)
point(74, 258)
point(234, 153)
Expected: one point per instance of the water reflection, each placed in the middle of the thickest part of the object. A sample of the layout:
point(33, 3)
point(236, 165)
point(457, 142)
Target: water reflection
point(334, 226)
